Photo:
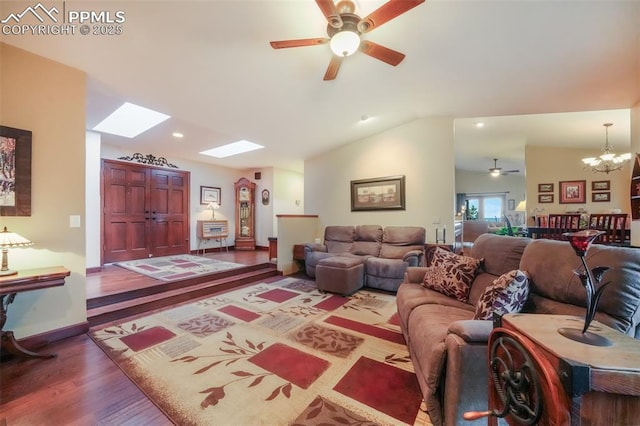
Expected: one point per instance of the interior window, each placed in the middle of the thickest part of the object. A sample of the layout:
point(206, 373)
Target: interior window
point(489, 207)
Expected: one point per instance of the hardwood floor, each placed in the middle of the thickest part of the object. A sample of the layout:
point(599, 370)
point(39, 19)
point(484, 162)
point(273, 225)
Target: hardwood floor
point(114, 279)
point(82, 386)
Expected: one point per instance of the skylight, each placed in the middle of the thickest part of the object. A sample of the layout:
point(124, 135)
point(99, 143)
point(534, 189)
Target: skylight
point(239, 147)
point(130, 120)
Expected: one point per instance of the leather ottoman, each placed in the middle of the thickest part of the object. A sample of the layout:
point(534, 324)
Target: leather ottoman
point(340, 274)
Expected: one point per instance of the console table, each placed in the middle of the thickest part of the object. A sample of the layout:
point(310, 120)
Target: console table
point(25, 280)
point(217, 230)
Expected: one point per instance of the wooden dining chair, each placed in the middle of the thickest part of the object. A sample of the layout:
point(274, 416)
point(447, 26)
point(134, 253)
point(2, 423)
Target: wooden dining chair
point(562, 223)
point(613, 224)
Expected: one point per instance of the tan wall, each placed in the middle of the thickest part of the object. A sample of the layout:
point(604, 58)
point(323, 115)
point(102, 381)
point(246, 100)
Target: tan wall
point(48, 98)
point(552, 165)
point(422, 150)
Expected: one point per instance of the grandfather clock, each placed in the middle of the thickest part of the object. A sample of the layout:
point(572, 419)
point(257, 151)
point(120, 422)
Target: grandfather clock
point(245, 215)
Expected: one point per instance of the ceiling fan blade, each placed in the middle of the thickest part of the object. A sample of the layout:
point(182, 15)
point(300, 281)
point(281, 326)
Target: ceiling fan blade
point(298, 43)
point(332, 69)
point(385, 13)
point(330, 12)
point(511, 171)
point(382, 53)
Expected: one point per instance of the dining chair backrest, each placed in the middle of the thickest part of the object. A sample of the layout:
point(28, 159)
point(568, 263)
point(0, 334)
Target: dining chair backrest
point(541, 220)
point(561, 223)
point(613, 224)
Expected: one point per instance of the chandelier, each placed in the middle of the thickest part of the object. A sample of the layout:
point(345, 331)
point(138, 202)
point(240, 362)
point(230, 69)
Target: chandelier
point(608, 161)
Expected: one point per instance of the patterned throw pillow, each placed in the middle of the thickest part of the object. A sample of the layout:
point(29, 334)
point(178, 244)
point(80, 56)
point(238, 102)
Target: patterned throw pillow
point(451, 274)
point(507, 294)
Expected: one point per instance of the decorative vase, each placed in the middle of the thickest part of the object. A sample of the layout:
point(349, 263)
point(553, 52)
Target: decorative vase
point(590, 278)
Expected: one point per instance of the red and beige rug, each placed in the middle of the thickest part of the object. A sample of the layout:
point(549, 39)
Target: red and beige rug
point(278, 353)
point(179, 267)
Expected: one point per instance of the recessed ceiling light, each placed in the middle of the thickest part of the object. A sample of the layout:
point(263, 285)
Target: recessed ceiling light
point(479, 125)
point(130, 120)
point(234, 148)
point(177, 135)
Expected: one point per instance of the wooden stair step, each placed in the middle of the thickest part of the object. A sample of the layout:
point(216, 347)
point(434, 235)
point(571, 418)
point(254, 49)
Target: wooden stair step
point(162, 287)
point(115, 311)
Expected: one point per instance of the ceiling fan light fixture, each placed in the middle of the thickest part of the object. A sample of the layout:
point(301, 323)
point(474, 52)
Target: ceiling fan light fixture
point(344, 43)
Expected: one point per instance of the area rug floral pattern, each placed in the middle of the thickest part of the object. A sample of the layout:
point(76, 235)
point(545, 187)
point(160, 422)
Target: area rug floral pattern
point(180, 267)
point(278, 353)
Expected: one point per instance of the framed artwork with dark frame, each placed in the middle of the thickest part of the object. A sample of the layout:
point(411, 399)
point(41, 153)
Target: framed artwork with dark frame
point(601, 185)
point(384, 193)
point(573, 192)
point(210, 194)
point(511, 204)
point(545, 187)
point(15, 172)
point(600, 197)
point(545, 198)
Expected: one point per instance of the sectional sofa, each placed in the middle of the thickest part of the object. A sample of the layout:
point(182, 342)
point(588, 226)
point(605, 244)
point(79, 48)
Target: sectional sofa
point(448, 347)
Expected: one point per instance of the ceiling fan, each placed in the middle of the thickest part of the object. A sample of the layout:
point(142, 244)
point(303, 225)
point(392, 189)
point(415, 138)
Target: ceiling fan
point(345, 28)
point(497, 171)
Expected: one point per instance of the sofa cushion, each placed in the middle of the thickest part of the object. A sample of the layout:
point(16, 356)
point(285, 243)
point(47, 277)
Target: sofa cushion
point(367, 240)
point(385, 274)
point(339, 239)
point(398, 240)
point(507, 294)
point(501, 253)
point(451, 274)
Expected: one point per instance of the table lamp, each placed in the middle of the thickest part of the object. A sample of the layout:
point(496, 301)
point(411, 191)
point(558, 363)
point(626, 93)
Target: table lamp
point(213, 206)
point(10, 240)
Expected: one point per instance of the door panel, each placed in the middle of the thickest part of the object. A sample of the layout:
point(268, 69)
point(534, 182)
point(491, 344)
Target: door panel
point(124, 220)
point(170, 201)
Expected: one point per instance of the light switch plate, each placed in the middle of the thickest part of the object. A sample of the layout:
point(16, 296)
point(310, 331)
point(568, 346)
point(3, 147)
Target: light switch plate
point(74, 221)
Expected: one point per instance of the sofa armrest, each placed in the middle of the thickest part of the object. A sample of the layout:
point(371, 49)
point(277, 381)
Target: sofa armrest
point(472, 331)
point(415, 274)
point(413, 257)
point(311, 247)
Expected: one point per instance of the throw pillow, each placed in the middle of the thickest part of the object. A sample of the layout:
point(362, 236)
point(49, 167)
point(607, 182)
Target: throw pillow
point(451, 274)
point(507, 294)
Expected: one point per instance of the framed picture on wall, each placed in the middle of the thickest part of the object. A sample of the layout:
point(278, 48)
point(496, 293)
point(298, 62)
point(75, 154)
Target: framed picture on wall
point(545, 187)
point(601, 185)
point(573, 192)
point(15, 163)
point(600, 197)
point(210, 194)
point(545, 198)
point(511, 204)
point(385, 193)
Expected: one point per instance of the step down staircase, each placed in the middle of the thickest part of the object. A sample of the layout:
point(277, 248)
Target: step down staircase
point(113, 307)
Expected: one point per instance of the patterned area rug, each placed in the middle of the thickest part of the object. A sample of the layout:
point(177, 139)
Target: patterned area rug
point(171, 268)
point(278, 353)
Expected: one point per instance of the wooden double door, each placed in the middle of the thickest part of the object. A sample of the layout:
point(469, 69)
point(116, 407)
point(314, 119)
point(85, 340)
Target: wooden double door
point(145, 211)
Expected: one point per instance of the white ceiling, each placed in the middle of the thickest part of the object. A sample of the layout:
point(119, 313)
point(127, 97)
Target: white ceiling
point(209, 65)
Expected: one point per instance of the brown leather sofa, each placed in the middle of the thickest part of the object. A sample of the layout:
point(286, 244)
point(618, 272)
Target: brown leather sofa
point(385, 253)
point(449, 349)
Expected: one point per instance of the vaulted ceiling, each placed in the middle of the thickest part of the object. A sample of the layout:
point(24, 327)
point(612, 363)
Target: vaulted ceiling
point(209, 65)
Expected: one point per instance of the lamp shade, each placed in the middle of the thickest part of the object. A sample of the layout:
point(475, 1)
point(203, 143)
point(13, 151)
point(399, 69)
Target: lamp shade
point(345, 43)
point(10, 240)
point(522, 206)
